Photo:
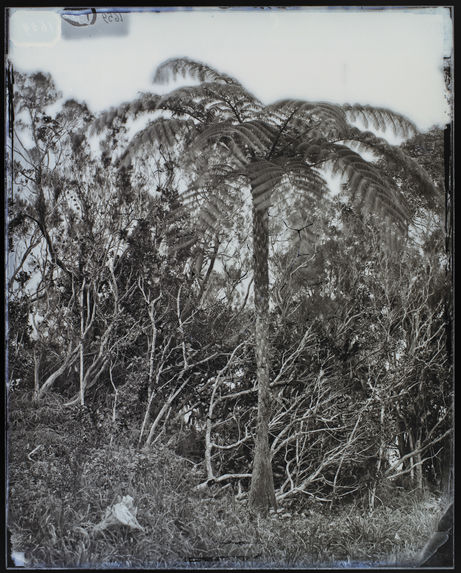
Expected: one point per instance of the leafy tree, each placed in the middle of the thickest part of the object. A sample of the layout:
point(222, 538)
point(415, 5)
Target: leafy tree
point(232, 146)
point(69, 221)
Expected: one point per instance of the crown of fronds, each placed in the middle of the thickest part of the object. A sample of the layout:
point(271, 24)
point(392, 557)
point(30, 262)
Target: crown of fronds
point(267, 146)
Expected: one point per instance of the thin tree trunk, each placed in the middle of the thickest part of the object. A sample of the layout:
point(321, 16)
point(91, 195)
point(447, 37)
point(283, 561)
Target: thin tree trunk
point(418, 466)
point(81, 352)
point(163, 411)
point(411, 460)
point(36, 375)
point(208, 446)
point(379, 462)
point(150, 389)
point(55, 375)
point(204, 283)
point(82, 375)
point(262, 494)
point(402, 446)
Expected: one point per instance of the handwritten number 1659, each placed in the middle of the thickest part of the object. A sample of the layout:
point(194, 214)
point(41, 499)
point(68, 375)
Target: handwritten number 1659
point(109, 18)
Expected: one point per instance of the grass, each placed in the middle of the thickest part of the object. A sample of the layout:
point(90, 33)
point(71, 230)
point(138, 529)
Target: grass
point(61, 492)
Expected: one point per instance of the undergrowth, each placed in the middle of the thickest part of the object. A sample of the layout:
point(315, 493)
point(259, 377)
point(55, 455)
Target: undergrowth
point(59, 491)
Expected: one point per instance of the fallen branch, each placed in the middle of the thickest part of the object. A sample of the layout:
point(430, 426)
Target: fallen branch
point(224, 477)
point(33, 452)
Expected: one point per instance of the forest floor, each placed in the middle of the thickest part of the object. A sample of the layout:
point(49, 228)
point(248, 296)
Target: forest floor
point(63, 475)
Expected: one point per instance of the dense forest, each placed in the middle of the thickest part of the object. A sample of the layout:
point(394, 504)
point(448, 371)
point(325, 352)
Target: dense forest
point(231, 321)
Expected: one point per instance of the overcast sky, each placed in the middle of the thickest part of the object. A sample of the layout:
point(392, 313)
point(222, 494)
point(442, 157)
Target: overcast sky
point(391, 58)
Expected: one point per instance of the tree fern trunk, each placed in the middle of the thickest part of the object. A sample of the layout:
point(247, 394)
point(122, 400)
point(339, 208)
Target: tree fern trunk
point(262, 495)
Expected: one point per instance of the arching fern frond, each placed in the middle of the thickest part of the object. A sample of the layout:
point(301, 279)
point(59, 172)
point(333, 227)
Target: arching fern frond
point(367, 141)
point(185, 102)
point(381, 118)
point(210, 198)
point(233, 101)
point(210, 101)
point(304, 179)
point(367, 184)
point(143, 104)
point(161, 132)
point(230, 93)
point(209, 204)
point(235, 151)
point(173, 68)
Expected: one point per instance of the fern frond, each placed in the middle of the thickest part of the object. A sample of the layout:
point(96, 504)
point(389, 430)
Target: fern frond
point(299, 114)
point(286, 112)
point(161, 132)
point(315, 150)
point(287, 106)
point(252, 134)
point(231, 93)
point(305, 179)
point(342, 159)
point(367, 141)
point(144, 103)
point(206, 96)
point(258, 130)
point(185, 101)
point(173, 68)
point(219, 172)
point(331, 118)
point(385, 204)
point(223, 100)
point(381, 118)
point(365, 181)
point(211, 193)
point(264, 176)
point(235, 151)
point(209, 204)
point(251, 109)
point(213, 211)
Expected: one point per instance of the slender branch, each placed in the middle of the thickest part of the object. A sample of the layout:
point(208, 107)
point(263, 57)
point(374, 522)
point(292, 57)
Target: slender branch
point(417, 451)
point(27, 252)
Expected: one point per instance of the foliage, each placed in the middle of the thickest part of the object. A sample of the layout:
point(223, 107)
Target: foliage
point(134, 353)
point(61, 491)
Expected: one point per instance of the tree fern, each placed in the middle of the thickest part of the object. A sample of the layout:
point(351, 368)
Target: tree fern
point(229, 137)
